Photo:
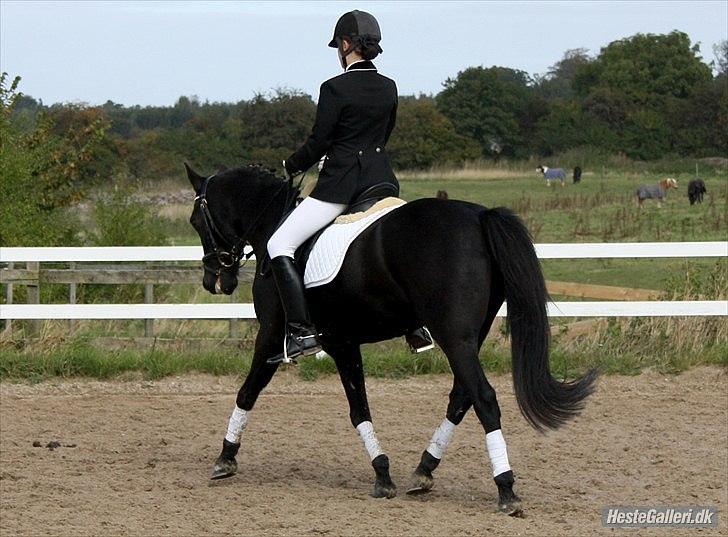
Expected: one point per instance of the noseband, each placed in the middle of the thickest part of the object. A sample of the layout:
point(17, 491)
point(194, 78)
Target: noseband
point(230, 255)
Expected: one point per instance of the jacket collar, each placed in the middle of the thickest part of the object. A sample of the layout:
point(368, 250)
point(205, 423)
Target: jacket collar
point(361, 65)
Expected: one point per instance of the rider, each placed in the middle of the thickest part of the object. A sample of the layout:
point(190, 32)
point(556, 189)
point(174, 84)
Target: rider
point(355, 116)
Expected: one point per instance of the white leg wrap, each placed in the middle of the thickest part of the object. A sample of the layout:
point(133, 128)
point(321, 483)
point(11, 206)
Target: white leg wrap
point(497, 452)
point(236, 425)
point(366, 431)
point(441, 438)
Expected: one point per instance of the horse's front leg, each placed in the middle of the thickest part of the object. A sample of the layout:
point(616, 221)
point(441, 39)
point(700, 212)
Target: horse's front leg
point(349, 363)
point(460, 403)
point(267, 344)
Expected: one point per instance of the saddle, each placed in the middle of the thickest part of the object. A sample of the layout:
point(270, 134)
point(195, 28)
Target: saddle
point(363, 202)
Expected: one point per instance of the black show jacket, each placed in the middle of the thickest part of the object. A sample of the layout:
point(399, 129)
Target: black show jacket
point(355, 116)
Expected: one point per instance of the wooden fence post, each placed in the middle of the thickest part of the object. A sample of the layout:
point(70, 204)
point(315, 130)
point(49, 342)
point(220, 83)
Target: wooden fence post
point(8, 330)
point(34, 295)
point(72, 298)
point(149, 299)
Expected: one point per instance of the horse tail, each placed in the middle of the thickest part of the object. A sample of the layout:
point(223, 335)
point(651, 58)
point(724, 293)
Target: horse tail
point(544, 401)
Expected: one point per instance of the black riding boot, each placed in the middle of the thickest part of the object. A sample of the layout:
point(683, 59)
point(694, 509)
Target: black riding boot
point(301, 337)
point(420, 340)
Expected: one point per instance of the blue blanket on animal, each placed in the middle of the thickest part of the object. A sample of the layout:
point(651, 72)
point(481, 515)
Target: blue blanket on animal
point(554, 173)
point(645, 192)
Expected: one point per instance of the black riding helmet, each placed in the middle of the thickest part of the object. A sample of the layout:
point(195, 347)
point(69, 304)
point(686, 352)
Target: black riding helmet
point(360, 27)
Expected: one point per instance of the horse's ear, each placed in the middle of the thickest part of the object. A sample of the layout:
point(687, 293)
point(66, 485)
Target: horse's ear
point(195, 178)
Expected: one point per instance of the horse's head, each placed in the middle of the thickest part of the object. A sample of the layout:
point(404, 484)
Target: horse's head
point(220, 268)
point(234, 209)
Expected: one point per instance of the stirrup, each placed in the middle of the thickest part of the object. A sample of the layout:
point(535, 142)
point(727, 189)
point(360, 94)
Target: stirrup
point(285, 358)
point(281, 359)
point(420, 340)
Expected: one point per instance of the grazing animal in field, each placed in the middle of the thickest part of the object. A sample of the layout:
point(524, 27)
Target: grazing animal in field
point(551, 174)
point(390, 282)
point(442, 195)
point(657, 192)
point(696, 189)
point(577, 175)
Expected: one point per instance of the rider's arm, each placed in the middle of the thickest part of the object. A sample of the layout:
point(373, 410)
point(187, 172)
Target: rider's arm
point(327, 116)
point(392, 118)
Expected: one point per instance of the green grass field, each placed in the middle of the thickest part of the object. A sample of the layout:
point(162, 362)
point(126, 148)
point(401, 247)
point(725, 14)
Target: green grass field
point(601, 208)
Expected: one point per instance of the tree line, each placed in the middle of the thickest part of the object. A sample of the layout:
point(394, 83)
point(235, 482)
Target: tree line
point(646, 96)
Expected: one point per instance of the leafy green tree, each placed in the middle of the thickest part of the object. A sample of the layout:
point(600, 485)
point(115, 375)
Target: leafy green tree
point(720, 50)
point(561, 129)
point(646, 67)
point(653, 92)
point(78, 153)
point(24, 219)
point(647, 135)
point(698, 125)
point(424, 137)
point(122, 221)
point(122, 120)
point(490, 105)
point(272, 127)
point(558, 81)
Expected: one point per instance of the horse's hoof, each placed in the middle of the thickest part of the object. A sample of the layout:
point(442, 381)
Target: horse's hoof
point(420, 484)
point(512, 508)
point(224, 468)
point(388, 491)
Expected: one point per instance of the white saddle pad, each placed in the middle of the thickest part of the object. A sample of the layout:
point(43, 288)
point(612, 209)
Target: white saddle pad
point(328, 253)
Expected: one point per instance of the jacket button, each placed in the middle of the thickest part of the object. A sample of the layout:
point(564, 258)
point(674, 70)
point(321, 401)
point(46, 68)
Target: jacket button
point(379, 149)
point(361, 153)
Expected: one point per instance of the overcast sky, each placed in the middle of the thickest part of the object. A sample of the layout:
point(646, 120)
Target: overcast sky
point(150, 53)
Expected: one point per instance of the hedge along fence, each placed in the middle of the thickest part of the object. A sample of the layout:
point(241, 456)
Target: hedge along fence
point(32, 276)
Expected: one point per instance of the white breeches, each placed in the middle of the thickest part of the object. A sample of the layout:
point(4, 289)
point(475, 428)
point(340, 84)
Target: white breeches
point(305, 220)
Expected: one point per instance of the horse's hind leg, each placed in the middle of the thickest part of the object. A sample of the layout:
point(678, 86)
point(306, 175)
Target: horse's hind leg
point(463, 358)
point(460, 403)
point(351, 371)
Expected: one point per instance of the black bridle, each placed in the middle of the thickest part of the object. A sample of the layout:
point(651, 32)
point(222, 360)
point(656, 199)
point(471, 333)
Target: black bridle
point(234, 250)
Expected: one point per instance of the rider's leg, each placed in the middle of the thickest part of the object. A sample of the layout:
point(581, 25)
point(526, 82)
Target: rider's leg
point(305, 220)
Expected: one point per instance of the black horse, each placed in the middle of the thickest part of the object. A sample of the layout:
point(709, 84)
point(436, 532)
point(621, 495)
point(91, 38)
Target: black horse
point(444, 264)
point(696, 190)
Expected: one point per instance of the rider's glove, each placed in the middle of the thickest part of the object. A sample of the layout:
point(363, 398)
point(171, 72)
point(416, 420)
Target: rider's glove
point(290, 172)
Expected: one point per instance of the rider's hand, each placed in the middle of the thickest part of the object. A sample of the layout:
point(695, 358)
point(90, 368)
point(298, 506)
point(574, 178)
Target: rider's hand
point(290, 173)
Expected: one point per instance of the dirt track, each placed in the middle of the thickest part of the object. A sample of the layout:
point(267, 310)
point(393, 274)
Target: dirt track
point(143, 452)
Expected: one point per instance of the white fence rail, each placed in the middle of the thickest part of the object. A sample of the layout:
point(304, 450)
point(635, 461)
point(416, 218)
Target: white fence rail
point(194, 253)
point(246, 311)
